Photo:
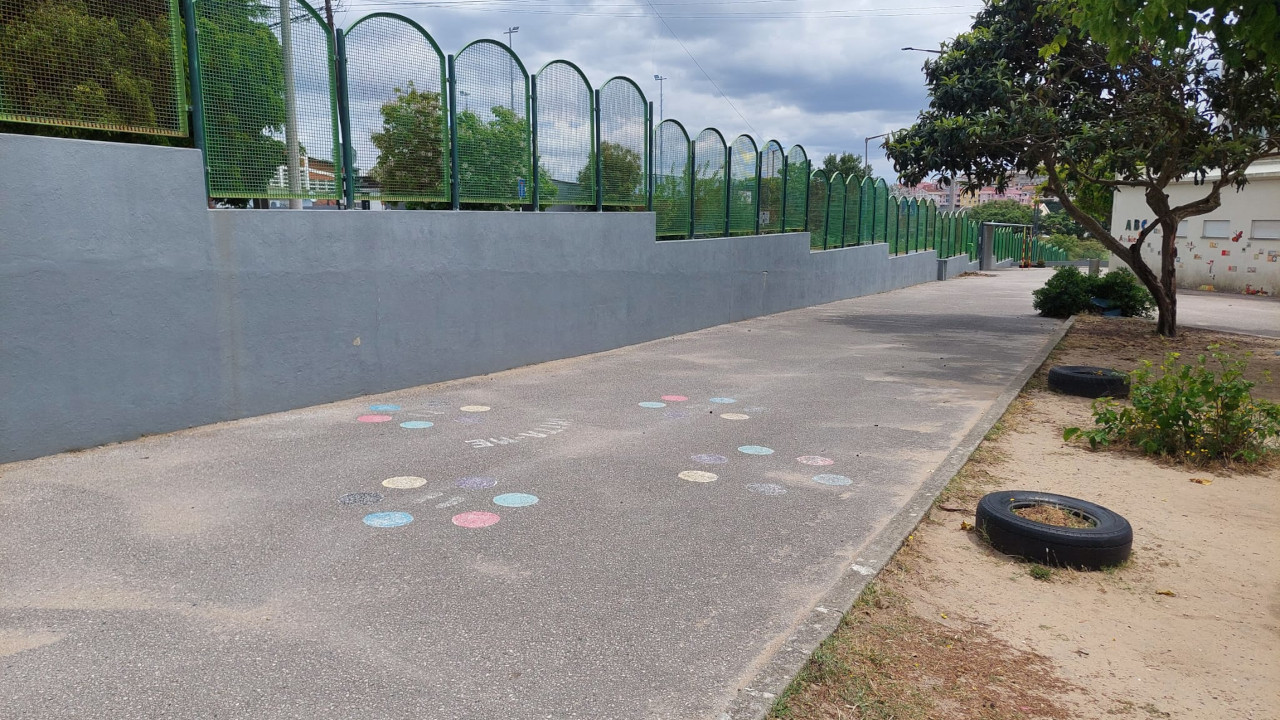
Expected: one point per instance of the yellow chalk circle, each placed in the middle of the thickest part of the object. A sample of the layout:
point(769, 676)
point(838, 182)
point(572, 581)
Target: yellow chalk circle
point(698, 476)
point(404, 482)
point(474, 408)
point(735, 416)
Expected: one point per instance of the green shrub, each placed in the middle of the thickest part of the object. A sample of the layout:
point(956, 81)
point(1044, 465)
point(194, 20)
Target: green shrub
point(1067, 293)
point(1070, 292)
point(1191, 413)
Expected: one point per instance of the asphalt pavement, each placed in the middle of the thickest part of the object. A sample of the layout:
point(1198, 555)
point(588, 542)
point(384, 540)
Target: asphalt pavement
point(636, 534)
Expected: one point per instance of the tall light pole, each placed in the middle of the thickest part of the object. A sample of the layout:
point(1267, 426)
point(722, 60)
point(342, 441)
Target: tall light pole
point(951, 186)
point(866, 147)
point(660, 78)
point(511, 70)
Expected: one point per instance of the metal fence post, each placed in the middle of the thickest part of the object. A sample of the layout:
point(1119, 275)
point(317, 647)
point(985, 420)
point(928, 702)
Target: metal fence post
point(533, 129)
point(344, 122)
point(455, 194)
point(808, 193)
point(599, 160)
point(196, 89)
point(785, 162)
point(755, 200)
point(648, 152)
point(693, 178)
point(728, 184)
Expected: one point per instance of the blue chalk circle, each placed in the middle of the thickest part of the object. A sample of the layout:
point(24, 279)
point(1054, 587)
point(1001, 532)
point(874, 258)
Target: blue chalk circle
point(652, 405)
point(384, 408)
point(387, 519)
point(827, 479)
point(724, 401)
point(755, 450)
point(416, 424)
point(515, 500)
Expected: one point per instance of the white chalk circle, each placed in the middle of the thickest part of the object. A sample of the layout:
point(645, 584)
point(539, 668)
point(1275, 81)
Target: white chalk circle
point(815, 460)
point(475, 408)
point(735, 416)
point(698, 476)
point(404, 482)
point(652, 405)
point(826, 479)
point(723, 401)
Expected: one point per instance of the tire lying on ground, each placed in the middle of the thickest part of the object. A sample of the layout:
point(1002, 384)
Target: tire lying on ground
point(1105, 543)
point(1088, 381)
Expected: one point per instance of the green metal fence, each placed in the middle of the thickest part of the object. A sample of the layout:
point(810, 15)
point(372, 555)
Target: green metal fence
point(797, 190)
point(672, 181)
point(852, 211)
point(818, 203)
point(624, 149)
point(710, 187)
point(494, 143)
point(772, 162)
point(566, 133)
point(394, 82)
point(836, 195)
point(743, 193)
point(96, 64)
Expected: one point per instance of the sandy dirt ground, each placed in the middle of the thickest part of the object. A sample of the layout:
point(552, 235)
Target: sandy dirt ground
point(1188, 628)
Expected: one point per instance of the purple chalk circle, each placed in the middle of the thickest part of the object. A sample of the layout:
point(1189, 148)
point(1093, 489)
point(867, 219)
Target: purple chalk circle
point(404, 482)
point(374, 418)
point(384, 408)
point(755, 450)
point(416, 424)
point(767, 489)
point(360, 498)
point(826, 479)
point(710, 459)
point(387, 519)
point(475, 519)
point(723, 401)
point(676, 414)
point(469, 420)
point(476, 483)
point(515, 500)
point(814, 460)
point(735, 416)
point(674, 398)
point(652, 405)
point(698, 476)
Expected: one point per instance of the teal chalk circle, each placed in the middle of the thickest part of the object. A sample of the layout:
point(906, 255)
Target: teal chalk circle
point(515, 500)
point(384, 408)
point(416, 424)
point(652, 405)
point(755, 450)
point(828, 479)
point(387, 519)
point(724, 401)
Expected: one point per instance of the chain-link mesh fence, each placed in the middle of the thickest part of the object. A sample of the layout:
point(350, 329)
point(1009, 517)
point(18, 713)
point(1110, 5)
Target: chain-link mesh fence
point(852, 211)
point(709, 192)
point(270, 107)
point(771, 189)
point(906, 224)
point(566, 133)
point(891, 225)
point(97, 64)
point(880, 232)
point(398, 109)
point(494, 141)
point(623, 136)
point(742, 191)
point(797, 194)
point(672, 180)
point(836, 211)
point(818, 196)
point(867, 211)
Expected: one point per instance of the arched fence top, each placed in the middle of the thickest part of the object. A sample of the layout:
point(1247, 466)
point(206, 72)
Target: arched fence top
point(754, 148)
point(776, 144)
point(510, 53)
point(804, 154)
point(718, 134)
point(678, 124)
point(571, 65)
point(836, 177)
point(628, 81)
point(868, 184)
point(819, 174)
point(407, 21)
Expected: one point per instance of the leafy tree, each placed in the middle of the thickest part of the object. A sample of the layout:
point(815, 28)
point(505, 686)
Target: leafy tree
point(1078, 248)
point(1001, 211)
point(1059, 223)
point(494, 155)
point(1027, 91)
point(622, 173)
point(411, 146)
point(847, 164)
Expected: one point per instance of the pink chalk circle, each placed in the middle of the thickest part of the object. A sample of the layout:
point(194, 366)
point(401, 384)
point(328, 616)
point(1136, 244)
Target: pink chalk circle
point(814, 460)
point(374, 418)
point(475, 519)
point(674, 398)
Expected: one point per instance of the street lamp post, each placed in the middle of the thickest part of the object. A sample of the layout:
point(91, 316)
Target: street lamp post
point(951, 188)
point(511, 70)
point(866, 147)
point(660, 78)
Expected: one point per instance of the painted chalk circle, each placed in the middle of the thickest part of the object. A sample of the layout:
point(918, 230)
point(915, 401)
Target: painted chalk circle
point(710, 459)
point(476, 483)
point(674, 398)
point(652, 405)
point(724, 401)
point(384, 408)
point(387, 519)
point(404, 482)
point(475, 408)
point(735, 416)
point(374, 418)
point(832, 480)
point(698, 476)
point(417, 424)
point(475, 519)
point(755, 450)
point(814, 460)
point(360, 498)
point(515, 500)
point(455, 500)
point(767, 489)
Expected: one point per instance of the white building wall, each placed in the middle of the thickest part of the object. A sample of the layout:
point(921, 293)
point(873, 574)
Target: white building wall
point(1235, 248)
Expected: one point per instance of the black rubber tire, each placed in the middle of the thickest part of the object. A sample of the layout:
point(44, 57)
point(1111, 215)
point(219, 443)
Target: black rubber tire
point(1088, 381)
point(1105, 544)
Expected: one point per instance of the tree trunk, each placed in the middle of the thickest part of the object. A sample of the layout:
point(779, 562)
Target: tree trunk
point(1161, 287)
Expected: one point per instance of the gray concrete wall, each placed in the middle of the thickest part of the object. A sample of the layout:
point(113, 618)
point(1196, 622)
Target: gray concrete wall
point(953, 266)
point(129, 308)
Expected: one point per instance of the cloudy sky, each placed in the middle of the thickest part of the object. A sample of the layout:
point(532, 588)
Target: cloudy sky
point(824, 73)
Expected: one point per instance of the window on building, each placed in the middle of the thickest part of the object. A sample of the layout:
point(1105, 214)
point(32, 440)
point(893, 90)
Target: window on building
point(1265, 230)
point(1184, 227)
point(1217, 229)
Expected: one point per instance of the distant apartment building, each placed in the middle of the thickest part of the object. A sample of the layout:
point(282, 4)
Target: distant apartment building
point(1023, 190)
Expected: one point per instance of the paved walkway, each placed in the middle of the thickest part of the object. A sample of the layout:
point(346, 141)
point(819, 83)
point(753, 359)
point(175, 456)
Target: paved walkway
point(696, 499)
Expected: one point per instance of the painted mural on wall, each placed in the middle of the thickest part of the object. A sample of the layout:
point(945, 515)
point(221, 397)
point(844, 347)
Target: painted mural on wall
point(1235, 264)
